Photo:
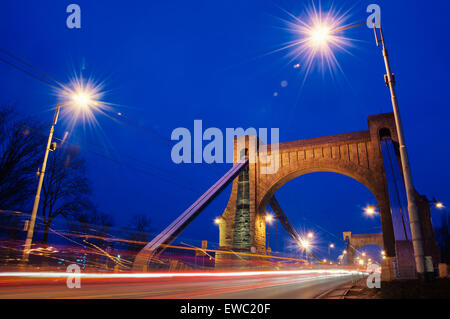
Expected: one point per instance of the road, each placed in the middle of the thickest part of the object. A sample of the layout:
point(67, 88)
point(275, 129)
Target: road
point(272, 285)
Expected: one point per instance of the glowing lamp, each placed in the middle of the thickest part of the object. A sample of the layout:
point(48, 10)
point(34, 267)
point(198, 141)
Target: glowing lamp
point(319, 36)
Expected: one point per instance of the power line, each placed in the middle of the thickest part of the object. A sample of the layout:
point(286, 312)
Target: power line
point(42, 75)
point(119, 161)
point(42, 78)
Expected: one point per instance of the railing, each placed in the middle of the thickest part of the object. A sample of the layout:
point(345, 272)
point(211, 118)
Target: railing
point(169, 234)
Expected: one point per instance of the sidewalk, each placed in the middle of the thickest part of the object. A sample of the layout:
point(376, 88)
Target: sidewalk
point(335, 293)
point(400, 289)
point(353, 290)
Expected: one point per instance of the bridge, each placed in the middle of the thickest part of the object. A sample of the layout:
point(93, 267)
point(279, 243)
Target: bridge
point(357, 241)
point(370, 157)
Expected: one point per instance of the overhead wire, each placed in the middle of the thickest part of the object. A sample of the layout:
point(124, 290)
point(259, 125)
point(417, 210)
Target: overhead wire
point(42, 78)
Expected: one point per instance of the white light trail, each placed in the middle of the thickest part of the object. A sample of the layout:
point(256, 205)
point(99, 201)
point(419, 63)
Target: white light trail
point(334, 272)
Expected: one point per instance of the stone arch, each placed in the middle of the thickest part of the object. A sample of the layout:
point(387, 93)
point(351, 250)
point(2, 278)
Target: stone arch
point(362, 175)
point(346, 170)
point(357, 241)
point(384, 132)
point(356, 155)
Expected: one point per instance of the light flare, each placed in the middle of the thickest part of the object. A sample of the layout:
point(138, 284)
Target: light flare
point(439, 205)
point(269, 218)
point(370, 211)
point(317, 37)
point(81, 99)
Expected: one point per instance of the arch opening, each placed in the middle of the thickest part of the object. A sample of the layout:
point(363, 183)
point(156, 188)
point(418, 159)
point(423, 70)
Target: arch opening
point(285, 179)
point(365, 254)
point(342, 210)
point(384, 133)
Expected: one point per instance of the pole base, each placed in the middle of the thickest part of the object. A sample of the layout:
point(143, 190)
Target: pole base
point(426, 277)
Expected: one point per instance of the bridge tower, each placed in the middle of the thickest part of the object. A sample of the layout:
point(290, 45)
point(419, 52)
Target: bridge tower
point(356, 241)
point(357, 155)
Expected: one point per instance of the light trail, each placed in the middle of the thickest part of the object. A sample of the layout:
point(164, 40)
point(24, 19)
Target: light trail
point(333, 272)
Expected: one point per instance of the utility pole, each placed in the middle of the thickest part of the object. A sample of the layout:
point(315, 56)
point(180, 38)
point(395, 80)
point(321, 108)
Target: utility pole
point(416, 231)
point(276, 235)
point(30, 232)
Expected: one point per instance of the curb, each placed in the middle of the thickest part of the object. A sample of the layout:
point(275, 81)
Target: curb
point(339, 292)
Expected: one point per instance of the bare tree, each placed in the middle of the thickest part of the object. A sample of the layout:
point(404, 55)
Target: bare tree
point(21, 149)
point(139, 231)
point(66, 190)
point(91, 222)
point(10, 230)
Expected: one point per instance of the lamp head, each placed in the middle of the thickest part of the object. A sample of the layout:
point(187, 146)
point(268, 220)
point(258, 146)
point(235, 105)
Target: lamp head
point(304, 244)
point(370, 211)
point(269, 218)
point(82, 99)
point(319, 36)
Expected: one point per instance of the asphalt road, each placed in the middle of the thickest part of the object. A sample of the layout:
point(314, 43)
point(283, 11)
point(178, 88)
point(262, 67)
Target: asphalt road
point(290, 286)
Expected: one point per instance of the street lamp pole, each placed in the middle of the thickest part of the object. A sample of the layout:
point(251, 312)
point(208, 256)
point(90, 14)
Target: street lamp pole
point(268, 220)
point(317, 38)
point(331, 245)
point(276, 235)
point(416, 231)
point(30, 232)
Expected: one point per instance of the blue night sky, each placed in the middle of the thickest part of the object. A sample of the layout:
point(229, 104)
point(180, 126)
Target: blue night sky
point(165, 64)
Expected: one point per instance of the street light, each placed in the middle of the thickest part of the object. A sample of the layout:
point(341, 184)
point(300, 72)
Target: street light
point(310, 235)
point(370, 210)
point(318, 37)
point(305, 244)
point(82, 100)
point(217, 220)
point(268, 219)
point(331, 245)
